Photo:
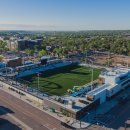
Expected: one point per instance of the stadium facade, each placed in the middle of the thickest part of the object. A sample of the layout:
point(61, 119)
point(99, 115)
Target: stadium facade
point(113, 81)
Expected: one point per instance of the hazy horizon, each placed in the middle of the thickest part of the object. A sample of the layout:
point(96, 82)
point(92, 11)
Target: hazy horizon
point(65, 15)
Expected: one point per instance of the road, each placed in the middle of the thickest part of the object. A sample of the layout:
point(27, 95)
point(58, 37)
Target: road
point(7, 123)
point(31, 116)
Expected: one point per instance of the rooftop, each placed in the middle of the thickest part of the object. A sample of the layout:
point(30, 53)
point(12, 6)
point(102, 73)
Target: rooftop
point(98, 90)
point(115, 72)
point(75, 108)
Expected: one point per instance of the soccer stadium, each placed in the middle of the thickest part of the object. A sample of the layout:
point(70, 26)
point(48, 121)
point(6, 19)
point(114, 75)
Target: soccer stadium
point(51, 76)
point(65, 85)
point(59, 80)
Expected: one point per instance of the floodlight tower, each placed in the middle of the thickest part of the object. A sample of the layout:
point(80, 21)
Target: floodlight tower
point(92, 75)
point(38, 75)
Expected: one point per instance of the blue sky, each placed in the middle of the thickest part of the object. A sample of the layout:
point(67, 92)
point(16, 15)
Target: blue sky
point(64, 14)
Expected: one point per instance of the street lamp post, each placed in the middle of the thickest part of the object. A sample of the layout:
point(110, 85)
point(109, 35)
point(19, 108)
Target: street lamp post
point(80, 121)
point(80, 124)
point(88, 115)
point(125, 126)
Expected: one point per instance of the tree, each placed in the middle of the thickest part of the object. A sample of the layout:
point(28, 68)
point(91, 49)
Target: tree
point(3, 47)
point(58, 52)
point(1, 57)
point(42, 53)
point(29, 52)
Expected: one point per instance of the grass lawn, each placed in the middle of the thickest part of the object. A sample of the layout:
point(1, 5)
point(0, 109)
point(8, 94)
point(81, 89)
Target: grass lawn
point(58, 81)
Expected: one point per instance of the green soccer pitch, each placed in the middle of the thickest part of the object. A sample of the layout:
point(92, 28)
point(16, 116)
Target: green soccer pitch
point(58, 81)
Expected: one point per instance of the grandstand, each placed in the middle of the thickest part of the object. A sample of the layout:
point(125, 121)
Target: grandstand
point(81, 91)
point(31, 69)
point(84, 88)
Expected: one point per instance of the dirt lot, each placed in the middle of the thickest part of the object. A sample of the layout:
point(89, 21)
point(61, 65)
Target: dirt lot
point(111, 59)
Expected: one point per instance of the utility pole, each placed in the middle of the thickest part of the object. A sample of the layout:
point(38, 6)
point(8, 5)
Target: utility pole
point(127, 63)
